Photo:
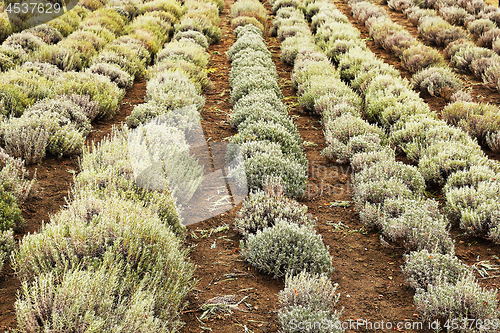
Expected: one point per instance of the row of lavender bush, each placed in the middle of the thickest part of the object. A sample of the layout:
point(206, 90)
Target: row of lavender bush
point(113, 260)
point(431, 74)
point(465, 56)
point(446, 156)
point(389, 194)
point(46, 126)
point(55, 28)
point(278, 235)
point(57, 125)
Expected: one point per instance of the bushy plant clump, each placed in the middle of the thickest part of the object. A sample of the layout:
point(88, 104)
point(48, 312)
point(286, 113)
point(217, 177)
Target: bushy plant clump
point(437, 81)
point(388, 99)
point(477, 119)
point(99, 88)
point(287, 248)
point(440, 32)
point(250, 9)
point(57, 126)
point(309, 298)
point(262, 209)
point(417, 224)
point(442, 158)
point(203, 17)
point(424, 268)
point(420, 56)
point(6, 246)
point(463, 301)
point(120, 239)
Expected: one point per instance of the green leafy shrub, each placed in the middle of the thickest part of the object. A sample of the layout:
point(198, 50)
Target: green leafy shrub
point(437, 81)
point(98, 177)
point(420, 56)
point(184, 50)
point(440, 32)
point(100, 90)
point(307, 303)
point(443, 158)
point(269, 160)
point(26, 138)
point(25, 40)
point(173, 89)
point(10, 213)
point(477, 119)
point(60, 56)
point(417, 224)
point(465, 300)
point(313, 291)
point(262, 209)
point(115, 74)
point(424, 268)
point(388, 99)
point(6, 246)
point(287, 248)
point(46, 33)
point(196, 36)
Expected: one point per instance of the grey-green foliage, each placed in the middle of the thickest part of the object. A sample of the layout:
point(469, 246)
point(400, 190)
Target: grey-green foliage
point(6, 246)
point(116, 75)
point(314, 291)
point(268, 159)
point(348, 135)
point(287, 248)
point(173, 89)
point(418, 132)
point(254, 81)
point(261, 210)
point(108, 171)
point(299, 319)
point(387, 179)
point(417, 224)
point(95, 234)
point(388, 99)
point(424, 268)
point(84, 300)
point(442, 158)
point(464, 300)
point(307, 303)
point(437, 81)
point(273, 132)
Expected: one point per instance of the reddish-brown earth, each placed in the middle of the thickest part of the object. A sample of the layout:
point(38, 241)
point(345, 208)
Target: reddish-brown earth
point(368, 274)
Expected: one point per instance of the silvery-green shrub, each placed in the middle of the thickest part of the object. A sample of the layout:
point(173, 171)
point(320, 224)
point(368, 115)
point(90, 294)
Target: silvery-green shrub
point(173, 89)
point(262, 210)
point(387, 179)
point(99, 88)
point(437, 81)
point(442, 158)
point(417, 224)
point(197, 74)
point(118, 76)
point(271, 161)
point(424, 268)
point(465, 300)
point(183, 50)
point(6, 246)
point(287, 248)
point(388, 99)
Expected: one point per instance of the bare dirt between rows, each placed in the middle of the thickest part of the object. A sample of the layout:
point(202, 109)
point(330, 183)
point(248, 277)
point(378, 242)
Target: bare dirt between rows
point(368, 273)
